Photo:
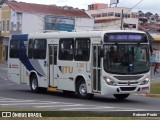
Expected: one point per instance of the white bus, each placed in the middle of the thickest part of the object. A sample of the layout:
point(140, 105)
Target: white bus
point(86, 62)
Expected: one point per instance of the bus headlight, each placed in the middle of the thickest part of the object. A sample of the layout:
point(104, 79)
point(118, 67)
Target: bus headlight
point(145, 81)
point(109, 81)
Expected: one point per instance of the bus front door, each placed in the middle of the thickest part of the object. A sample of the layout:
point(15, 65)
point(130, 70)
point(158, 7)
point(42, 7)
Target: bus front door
point(52, 65)
point(96, 68)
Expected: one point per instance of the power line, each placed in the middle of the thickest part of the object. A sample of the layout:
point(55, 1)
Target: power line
point(134, 6)
point(128, 12)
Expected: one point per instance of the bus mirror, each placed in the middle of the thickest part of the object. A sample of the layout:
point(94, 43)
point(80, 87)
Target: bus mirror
point(101, 52)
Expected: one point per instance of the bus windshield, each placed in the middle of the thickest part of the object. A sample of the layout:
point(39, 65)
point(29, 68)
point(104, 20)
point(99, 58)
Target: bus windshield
point(126, 59)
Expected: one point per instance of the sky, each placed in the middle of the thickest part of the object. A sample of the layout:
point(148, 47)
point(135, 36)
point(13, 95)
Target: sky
point(145, 6)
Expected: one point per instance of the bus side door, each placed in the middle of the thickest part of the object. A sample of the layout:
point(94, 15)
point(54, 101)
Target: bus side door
point(96, 68)
point(52, 65)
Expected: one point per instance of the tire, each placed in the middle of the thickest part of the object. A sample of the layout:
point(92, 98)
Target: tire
point(81, 90)
point(34, 84)
point(121, 96)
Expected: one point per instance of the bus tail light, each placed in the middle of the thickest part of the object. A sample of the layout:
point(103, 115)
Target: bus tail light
point(109, 81)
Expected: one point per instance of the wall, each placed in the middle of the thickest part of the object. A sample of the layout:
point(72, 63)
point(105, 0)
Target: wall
point(16, 22)
point(6, 12)
point(32, 23)
point(110, 25)
point(84, 24)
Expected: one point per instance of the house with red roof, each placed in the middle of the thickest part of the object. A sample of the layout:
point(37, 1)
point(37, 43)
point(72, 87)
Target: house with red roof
point(29, 17)
point(25, 18)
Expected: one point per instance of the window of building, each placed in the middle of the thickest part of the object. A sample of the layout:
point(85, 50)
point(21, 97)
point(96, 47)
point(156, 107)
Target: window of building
point(82, 49)
point(117, 14)
point(3, 25)
point(111, 14)
point(98, 15)
point(104, 14)
point(37, 49)
point(14, 49)
point(7, 25)
point(93, 15)
point(126, 15)
point(66, 47)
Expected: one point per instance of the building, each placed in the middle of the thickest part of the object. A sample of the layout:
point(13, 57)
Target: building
point(97, 6)
point(111, 17)
point(5, 31)
point(25, 18)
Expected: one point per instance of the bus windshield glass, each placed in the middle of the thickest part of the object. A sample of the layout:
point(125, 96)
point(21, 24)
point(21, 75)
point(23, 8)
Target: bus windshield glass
point(126, 59)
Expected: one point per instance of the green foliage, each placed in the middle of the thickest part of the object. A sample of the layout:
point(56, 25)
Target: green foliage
point(155, 87)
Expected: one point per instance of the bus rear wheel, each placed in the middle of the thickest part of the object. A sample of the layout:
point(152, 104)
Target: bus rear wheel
point(34, 84)
point(121, 96)
point(82, 90)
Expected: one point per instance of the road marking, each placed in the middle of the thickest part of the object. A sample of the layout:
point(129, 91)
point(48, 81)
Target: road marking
point(60, 106)
point(72, 105)
point(3, 78)
point(7, 85)
point(2, 98)
point(12, 104)
point(84, 108)
point(17, 101)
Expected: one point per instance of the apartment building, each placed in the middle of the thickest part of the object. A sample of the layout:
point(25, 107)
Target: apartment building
point(111, 17)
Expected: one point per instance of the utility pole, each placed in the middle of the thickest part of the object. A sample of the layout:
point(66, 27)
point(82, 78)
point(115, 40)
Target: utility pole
point(122, 20)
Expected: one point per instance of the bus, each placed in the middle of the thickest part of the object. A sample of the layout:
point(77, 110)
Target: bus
point(84, 62)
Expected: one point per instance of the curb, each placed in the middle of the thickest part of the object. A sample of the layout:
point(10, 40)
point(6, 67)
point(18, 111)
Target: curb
point(5, 63)
point(152, 95)
point(149, 95)
point(3, 78)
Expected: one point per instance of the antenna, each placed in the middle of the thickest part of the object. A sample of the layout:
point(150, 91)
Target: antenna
point(114, 2)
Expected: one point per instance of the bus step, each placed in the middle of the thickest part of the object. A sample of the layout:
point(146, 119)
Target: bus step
point(52, 89)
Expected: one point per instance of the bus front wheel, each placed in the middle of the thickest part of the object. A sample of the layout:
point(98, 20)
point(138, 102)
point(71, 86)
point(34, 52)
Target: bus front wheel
point(82, 90)
point(121, 96)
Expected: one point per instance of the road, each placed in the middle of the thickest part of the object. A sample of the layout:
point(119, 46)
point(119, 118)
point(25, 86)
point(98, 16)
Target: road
point(20, 97)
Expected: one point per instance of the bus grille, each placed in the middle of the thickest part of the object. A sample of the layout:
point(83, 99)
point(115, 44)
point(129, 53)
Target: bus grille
point(127, 88)
point(128, 77)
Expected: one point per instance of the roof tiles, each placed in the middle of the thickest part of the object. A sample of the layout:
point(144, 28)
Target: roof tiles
point(47, 9)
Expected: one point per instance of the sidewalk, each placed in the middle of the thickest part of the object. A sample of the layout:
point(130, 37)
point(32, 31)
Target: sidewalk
point(3, 71)
point(156, 76)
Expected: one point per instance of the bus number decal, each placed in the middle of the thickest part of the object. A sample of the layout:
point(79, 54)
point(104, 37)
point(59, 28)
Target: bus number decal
point(80, 65)
point(66, 69)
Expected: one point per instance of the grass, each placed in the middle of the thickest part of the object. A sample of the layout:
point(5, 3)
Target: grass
point(155, 87)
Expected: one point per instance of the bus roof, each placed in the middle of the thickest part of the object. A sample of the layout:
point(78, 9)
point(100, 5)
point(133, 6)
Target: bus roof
point(64, 34)
point(20, 36)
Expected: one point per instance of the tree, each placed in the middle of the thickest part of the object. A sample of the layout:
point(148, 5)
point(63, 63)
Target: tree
point(140, 13)
point(148, 14)
point(156, 16)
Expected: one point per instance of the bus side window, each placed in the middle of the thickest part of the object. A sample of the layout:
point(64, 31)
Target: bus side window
point(39, 49)
point(14, 48)
point(82, 49)
point(66, 47)
point(30, 49)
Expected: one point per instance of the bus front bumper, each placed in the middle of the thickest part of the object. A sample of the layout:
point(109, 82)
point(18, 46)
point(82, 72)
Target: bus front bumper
point(138, 89)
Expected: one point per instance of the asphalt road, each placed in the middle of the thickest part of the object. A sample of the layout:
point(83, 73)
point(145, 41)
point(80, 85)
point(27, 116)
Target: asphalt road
point(19, 96)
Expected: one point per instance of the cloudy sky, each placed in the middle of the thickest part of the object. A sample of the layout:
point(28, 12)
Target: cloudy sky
point(146, 5)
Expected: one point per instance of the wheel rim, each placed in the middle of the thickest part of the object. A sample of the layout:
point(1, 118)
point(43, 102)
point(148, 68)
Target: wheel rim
point(34, 84)
point(83, 89)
